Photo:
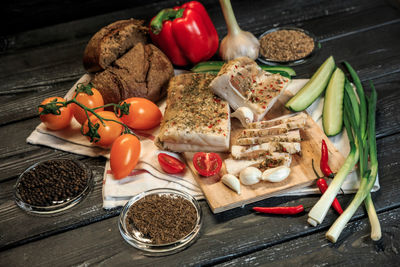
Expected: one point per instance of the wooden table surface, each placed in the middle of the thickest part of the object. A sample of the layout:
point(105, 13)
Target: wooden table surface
point(41, 46)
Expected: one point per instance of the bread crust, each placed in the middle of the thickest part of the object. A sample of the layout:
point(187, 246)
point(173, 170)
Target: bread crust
point(144, 71)
point(95, 52)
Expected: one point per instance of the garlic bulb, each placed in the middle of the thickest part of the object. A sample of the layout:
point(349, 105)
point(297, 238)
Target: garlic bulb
point(250, 175)
point(276, 175)
point(232, 182)
point(237, 43)
point(244, 114)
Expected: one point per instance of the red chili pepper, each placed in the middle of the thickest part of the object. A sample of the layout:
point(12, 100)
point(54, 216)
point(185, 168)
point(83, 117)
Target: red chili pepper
point(280, 210)
point(324, 161)
point(323, 186)
point(185, 33)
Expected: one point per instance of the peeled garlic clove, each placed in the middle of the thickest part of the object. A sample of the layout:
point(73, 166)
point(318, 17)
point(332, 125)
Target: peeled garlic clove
point(250, 175)
point(244, 114)
point(232, 182)
point(275, 175)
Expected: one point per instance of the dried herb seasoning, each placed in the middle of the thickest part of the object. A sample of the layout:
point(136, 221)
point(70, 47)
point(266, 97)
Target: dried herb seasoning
point(162, 218)
point(52, 182)
point(286, 45)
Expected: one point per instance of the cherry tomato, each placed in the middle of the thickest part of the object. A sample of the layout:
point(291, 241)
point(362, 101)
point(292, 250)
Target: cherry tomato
point(53, 121)
point(109, 132)
point(207, 164)
point(143, 114)
point(170, 164)
point(90, 101)
point(125, 153)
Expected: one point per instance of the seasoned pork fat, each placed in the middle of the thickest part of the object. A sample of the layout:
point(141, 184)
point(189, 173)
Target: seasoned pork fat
point(244, 84)
point(195, 119)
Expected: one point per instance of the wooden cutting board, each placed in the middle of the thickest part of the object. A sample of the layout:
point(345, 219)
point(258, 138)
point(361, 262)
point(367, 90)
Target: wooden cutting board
point(221, 198)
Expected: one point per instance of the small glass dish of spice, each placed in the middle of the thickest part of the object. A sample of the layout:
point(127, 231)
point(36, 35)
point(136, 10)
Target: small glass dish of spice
point(287, 46)
point(52, 186)
point(161, 221)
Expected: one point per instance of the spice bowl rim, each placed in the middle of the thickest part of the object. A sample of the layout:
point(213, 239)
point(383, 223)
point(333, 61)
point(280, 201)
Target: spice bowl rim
point(59, 208)
point(148, 248)
point(296, 62)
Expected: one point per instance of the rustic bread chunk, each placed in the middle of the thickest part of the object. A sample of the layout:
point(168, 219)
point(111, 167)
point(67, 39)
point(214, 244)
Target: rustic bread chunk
point(144, 71)
point(111, 42)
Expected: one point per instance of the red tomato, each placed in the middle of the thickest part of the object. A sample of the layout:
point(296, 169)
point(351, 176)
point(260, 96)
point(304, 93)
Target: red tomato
point(207, 164)
point(125, 153)
point(53, 121)
point(170, 164)
point(143, 114)
point(89, 101)
point(108, 133)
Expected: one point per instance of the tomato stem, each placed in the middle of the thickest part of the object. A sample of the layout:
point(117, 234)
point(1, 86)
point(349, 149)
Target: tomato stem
point(55, 106)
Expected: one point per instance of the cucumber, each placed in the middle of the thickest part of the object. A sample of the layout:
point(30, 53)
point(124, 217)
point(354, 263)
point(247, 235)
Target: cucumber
point(208, 66)
point(313, 88)
point(215, 66)
point(332, 115)
point(277, 69)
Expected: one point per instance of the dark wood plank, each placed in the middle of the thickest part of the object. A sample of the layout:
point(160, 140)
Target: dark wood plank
point(30, 71)
point(33, 67)
point(232, 232)
point(101, 243)
point(354, 248)
point(31, 227)
point(282, 12)
point(18, 155)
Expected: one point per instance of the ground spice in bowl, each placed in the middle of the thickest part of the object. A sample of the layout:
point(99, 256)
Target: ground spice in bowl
point(286, 45)
point(52, 185)
point(162, 218)
point(161, 221)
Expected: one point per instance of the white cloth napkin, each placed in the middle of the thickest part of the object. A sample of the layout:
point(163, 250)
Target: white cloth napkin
point(148, 173)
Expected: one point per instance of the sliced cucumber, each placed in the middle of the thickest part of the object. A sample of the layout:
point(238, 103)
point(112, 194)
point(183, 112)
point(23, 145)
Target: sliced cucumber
point(332, 116)
point(215, 66)
point(313, 88)
point(277, 69)
point(208, 66)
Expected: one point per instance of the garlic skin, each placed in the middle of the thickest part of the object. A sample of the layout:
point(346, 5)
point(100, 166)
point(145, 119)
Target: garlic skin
point(276, 175)
point(244, 115)
point(232, 182)
point(250, 176)
point(242, 44)
point(237, 43)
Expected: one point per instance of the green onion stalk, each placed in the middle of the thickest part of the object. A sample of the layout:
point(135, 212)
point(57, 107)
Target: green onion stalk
point(362, 142)
point(361, 123)
point(367, 177)
point(320, 209)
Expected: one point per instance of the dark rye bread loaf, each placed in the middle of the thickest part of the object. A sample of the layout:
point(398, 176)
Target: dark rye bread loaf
point(144, 71)
point(111, 42)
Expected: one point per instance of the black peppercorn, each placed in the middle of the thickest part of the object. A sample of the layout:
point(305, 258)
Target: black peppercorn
point(52, 182)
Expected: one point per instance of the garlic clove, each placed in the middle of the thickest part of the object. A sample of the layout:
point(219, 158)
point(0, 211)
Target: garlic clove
point(232, 182)
point(244, 114)
point(276, 175)
point(250, 175)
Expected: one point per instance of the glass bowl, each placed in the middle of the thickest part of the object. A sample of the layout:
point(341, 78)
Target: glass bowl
point(299, 61)
point(57, 206)
point(141, 242)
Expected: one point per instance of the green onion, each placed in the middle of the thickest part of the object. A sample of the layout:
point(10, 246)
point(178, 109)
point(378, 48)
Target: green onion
point(320, 209)
point(362, 143)
point(367, 177)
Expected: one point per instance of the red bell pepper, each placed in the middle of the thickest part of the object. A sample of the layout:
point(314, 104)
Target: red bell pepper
point(185, 33)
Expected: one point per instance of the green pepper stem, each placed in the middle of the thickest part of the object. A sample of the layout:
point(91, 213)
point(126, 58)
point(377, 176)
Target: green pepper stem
point(230, 19)
point(165, 14)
